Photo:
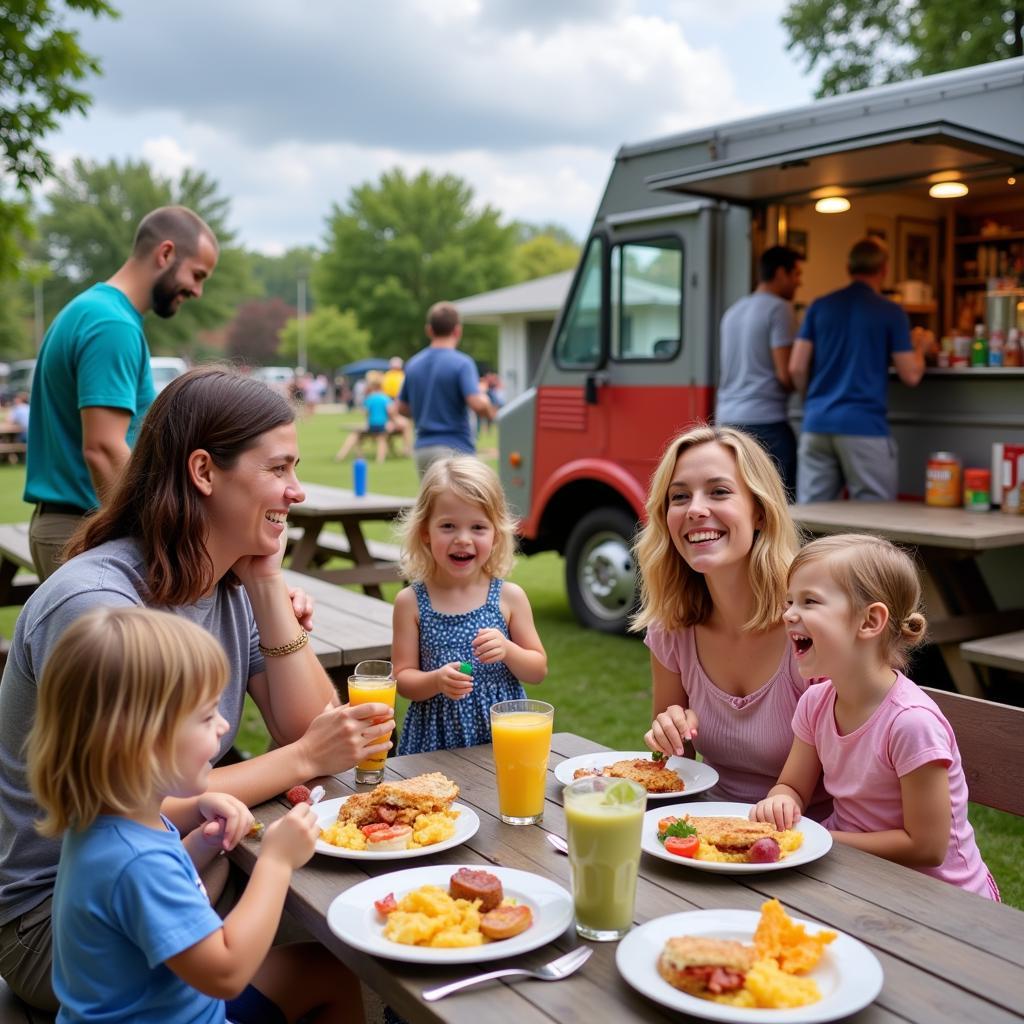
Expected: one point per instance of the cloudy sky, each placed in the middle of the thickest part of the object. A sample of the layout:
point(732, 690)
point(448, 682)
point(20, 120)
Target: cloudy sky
point(288, 105)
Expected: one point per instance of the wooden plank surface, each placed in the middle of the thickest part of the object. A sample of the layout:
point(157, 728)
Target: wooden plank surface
point(332, 501)
point(912, 523)
point(1005, 651)
point(946, 954)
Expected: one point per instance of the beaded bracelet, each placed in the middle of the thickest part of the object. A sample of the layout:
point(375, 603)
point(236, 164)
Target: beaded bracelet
point(289, 648)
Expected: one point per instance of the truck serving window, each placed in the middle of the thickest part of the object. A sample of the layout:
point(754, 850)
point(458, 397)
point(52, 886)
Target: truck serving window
point(579, 336)
point(646, 299)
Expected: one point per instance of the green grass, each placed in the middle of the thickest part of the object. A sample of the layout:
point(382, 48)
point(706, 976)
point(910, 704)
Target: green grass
point(600, 685)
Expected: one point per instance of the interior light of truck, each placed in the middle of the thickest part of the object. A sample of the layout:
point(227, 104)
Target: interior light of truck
point(832, 204)
point(948, 190)
point(515, 460)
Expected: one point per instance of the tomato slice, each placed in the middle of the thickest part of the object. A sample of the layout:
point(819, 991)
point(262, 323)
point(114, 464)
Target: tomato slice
point(386, 905)
point(377, 826)
point(664, 823)
point(683, 846)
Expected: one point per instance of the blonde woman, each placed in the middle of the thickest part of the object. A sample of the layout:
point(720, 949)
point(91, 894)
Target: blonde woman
point(457, 544)
point(713, 558)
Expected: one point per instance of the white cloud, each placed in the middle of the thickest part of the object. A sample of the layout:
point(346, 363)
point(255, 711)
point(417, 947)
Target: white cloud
point(166, 156)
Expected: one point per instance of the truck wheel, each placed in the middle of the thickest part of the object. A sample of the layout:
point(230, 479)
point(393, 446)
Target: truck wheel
point(600, 575)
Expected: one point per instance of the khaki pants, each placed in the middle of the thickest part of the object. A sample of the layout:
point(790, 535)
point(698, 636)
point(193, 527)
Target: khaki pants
point(26, 956)
point(427, 456)
point(47, 535)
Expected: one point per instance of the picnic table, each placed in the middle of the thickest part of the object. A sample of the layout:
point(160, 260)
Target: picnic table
point(374, 563)
point(12, 447)
point(948, 541)
point(946, 954)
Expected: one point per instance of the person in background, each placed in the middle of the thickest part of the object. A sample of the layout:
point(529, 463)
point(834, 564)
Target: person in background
point(457, 545)
point(441, 388)
point(378, 420)
point(135, 937)
point(757, 335)
point(393, 377)
point(18, 416)
point(93, 382)
point(886, 752)
point(841, 362)
point(713, 556)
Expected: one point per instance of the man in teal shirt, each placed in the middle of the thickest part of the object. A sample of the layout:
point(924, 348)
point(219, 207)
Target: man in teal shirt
point(92, 383)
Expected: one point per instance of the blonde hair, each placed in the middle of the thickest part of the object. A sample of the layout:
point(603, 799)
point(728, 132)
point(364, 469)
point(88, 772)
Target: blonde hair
point(114, 692)
point(672, 595)
point(474, 482)
point(872, 570)
point(374, 380)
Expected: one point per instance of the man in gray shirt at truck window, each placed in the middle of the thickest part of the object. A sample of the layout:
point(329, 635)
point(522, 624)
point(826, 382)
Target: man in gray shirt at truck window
point(756, 337)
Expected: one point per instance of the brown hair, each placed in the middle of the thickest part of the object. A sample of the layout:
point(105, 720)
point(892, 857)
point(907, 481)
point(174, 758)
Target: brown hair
point(114, 692)
point(872, 570)
point(671, 593)
point(442, 319)
point(213, 408)
point(474, 482)
point(177, 224)
point(867, 257)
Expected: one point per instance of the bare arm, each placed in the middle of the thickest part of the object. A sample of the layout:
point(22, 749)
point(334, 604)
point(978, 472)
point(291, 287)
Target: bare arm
point(800, 364)
point(786, 800)
point(924, 839)
point(104, 445)
point(413, 683)
point(481, 405)
point(909, 366)
point(523, 651)
point(402, 407)
point(674, 723)
point(780, 359)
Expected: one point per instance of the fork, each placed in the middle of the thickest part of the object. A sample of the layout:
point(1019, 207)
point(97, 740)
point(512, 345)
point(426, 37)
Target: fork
point(554, 971)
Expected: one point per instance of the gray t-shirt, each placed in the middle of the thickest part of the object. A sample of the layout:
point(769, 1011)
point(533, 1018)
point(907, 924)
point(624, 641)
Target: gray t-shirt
point(748, 390)
point(110, 575)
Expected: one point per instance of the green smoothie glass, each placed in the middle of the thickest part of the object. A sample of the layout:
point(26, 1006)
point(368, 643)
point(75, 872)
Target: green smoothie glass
point(604, 818)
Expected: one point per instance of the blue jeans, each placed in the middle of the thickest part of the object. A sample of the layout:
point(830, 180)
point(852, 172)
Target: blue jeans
point(779, 441)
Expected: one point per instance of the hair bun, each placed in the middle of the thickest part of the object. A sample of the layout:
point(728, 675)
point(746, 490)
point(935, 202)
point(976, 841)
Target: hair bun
point(913, 627)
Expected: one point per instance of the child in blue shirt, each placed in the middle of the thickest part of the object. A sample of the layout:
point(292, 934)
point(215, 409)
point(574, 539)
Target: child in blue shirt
point(128, 719)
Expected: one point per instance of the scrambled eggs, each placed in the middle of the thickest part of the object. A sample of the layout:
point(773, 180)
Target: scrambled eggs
point(788, 841)
point(427, 830)
point(428, 916)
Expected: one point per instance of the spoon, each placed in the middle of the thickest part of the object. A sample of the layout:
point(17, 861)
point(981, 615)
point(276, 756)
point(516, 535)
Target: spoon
point(316, 795)
point(558, 843)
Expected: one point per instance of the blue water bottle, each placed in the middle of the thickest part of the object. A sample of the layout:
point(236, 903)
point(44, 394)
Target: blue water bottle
point(359, 477)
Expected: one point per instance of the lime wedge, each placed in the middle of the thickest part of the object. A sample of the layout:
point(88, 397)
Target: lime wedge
point(620, 793)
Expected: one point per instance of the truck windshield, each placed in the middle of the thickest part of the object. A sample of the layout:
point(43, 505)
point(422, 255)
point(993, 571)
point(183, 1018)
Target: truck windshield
point(579, 335)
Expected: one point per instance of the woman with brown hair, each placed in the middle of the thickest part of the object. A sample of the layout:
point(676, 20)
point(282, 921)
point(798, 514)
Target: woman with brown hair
point(195, 527)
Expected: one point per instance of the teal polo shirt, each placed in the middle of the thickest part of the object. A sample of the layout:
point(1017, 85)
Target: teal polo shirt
point(94, 355)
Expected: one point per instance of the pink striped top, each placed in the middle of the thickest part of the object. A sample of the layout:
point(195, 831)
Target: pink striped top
point(745, 739)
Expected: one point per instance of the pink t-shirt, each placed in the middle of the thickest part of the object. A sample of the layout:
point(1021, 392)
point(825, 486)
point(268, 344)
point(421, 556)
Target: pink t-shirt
point(862, 771)
point(745, 739)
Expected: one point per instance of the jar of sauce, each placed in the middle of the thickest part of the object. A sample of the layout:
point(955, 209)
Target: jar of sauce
point(942, 480)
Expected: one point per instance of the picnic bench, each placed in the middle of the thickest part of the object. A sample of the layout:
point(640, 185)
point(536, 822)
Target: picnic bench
point(12, 448)
point(1005, 651)
point(17, 573)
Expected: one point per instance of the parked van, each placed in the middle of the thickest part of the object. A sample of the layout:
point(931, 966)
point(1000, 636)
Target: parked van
point(165, 369)
point(19, 378)
point(633, 355)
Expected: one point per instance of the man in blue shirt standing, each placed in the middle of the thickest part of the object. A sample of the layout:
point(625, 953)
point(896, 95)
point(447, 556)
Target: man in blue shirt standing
point(93, 383)
point(441, 386)
point(841, 360)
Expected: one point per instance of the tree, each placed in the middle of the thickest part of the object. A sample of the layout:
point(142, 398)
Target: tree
point(401, 245)
point(543, 255)
point(870, 42)
point(40, 62)
point(88, 231)
point(254, 334)
point(333, 338)
point(278, 276)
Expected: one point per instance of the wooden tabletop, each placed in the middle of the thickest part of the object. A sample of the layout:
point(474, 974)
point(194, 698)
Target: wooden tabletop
point(332, 502)
point(1005, 651)
point(946, 954)
point(909, 522)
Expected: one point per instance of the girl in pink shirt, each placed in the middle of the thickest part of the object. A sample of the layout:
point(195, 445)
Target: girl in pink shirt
point(713, 557)
point(888, 757)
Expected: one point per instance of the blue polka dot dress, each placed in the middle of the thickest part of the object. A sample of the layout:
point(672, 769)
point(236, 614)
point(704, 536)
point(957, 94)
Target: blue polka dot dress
point(441, 723)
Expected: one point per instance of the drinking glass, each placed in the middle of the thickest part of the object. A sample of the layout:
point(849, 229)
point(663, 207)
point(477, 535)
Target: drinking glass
point(372, 683)
point(604, 818)
point(521, 737)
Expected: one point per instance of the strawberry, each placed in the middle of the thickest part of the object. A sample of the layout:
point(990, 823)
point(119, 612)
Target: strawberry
point(298, 795)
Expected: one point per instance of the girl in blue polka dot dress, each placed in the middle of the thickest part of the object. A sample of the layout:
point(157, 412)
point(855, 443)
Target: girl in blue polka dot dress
point(457, 544)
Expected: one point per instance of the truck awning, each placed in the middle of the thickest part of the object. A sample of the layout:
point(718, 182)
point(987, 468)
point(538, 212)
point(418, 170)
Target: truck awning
point(881, 160)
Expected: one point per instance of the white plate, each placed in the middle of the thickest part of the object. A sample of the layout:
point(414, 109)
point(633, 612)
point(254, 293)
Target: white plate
point(354, 919)
point(466, 825)
point(848, 974)
point(817, 841)
point(696, 776)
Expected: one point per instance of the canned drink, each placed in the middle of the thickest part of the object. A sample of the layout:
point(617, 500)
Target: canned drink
point(976, 490)
point(942, 480)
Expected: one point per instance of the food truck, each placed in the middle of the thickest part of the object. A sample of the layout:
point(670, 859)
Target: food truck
point(934, 167)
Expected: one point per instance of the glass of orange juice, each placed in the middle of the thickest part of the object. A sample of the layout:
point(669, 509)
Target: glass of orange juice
point(373, 683)
point(521, 736)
